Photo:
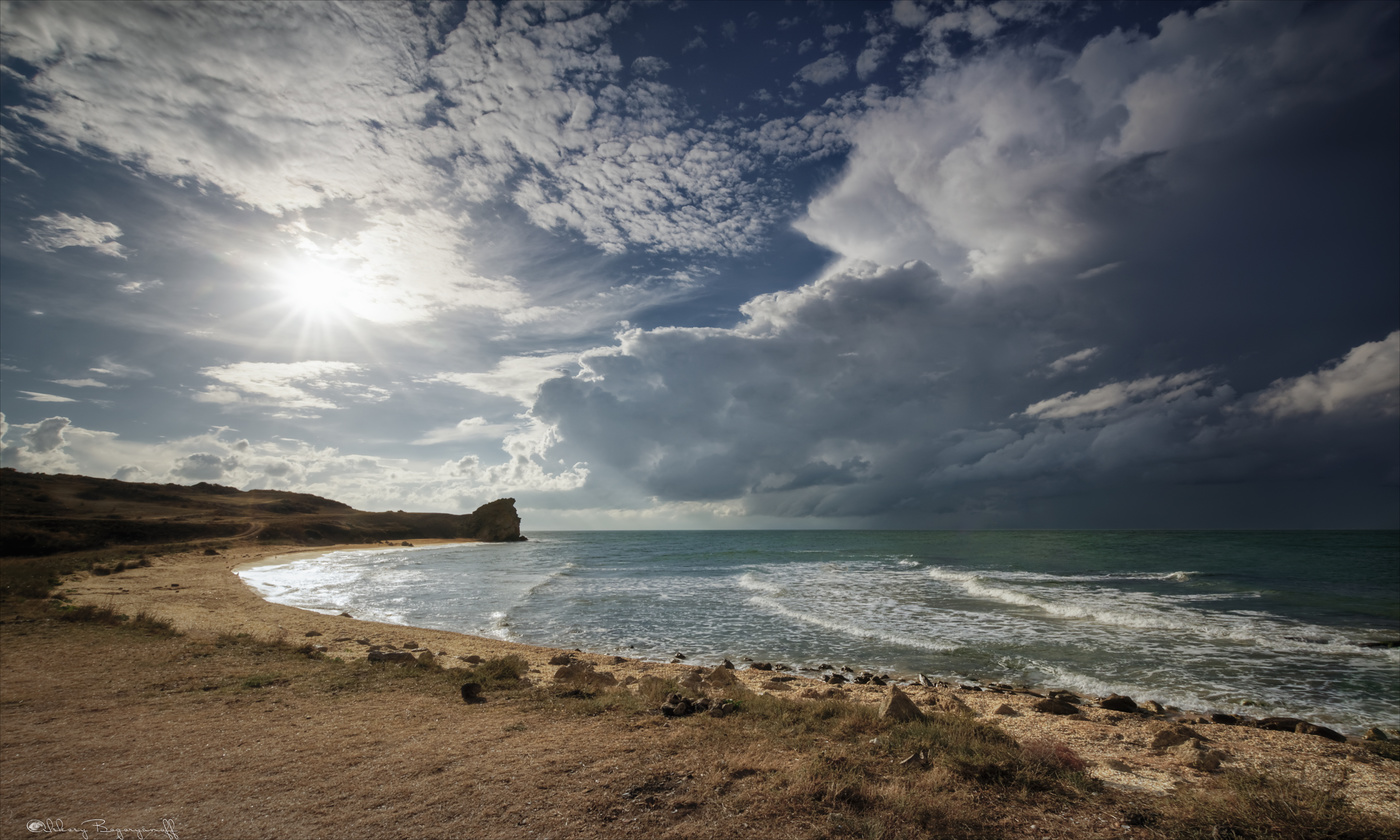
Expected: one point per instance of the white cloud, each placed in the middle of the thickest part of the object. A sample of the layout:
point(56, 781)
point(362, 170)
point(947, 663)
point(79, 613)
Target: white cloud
point(516, 377)
point(1116, 395)
point(825, 70)
point(41, 397)
point(470, 429)
point(80, 383)
point(61, 230)
point(1369, 375)
point(998, 166)
point(1073, 362)
point(289, 386)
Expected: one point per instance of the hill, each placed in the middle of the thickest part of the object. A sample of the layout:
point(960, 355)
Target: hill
point(42, 515)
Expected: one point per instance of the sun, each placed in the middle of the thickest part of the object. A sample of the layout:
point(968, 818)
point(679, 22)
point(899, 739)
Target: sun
point(315, 289)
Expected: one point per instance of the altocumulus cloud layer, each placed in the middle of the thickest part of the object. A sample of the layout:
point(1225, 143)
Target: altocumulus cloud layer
point(911, 265)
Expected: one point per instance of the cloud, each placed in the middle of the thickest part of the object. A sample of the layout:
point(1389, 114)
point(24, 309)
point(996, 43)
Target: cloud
point(515, 377)
point(61, 230)
point(1075, 362)
point(47, 435)
point(825, 70)
point(470, 429)
point(289, 386)
point(775, 414)
point(80, 383)
point(1368, 375)
point(1023, 160)
point(40, 397)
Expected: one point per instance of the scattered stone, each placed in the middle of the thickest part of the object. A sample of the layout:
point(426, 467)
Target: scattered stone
point(762, 666)
point(1374, 734)
point(834, 679)
point(1321, 732)
point(925, 681)
point(398, 656)
point(970, 687)
point(1154, 707)
point(723, 707)
point(582, 673)
point(342, 639)
point(379, 647)
point(362, 641)
point(1004, 709)
point(721, 676)
point(471, 693)
point(691, 681)
point(775, 685)
point(1066, 697)
point(561, 659)
point(1118, 703)
point(426, 659)
point(310, 633)
point(898, 707)
point(410, 645)
point(474, 659)
point(727, 664)
point(211, 552)
point(676, 706)
point(1052, 706)
point(679, 655)
point(1171, 734)
point(618, 660)
point(319, 648)
point(1197, 756)
point(950, 705)
point(1224, 719)
point(1118, 764)
point(779, 666)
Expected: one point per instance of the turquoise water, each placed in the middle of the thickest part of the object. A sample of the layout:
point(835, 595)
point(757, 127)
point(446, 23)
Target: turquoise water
point(1250, 622)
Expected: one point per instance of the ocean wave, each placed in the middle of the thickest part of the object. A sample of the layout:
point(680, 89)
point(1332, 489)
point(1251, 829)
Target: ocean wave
point(758, 583)
point(849, 628)
point(940, 573)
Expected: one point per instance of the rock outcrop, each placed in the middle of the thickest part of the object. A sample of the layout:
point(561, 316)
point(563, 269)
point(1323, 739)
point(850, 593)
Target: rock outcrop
point(494, 522)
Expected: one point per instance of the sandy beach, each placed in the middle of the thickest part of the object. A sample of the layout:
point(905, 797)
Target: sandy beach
point(205, 599)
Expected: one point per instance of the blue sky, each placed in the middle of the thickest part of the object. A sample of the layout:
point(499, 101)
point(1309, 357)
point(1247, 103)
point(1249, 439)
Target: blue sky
point(720, 264)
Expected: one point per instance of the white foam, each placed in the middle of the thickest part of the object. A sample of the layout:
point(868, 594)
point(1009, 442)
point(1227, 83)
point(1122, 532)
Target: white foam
point(851, 629)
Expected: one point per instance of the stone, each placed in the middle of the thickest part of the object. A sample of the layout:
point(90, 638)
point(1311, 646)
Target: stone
point(346, 615)
point(426, 659)
point(1224, 719)
point(721, 676)
point(1004, 709)
point(311, 633)
point(582, 673)
point(1171, 734)
point(1197, 756)
point(1052, 706)
point(1154, 707)
point(834, 679)
point(950, 705)
point(762, 666)
point(1118, 703)
point(691, 681)
point(561, 659)
point(727, 664)
point(1374, 734)
point(898, 707)
point(397, 656)
point(1065, 697)
point(675, 706)
point(618, 660)
point(471, 693)
point(1321, 732)
point(319, 648)
point(723, 708)
point(410, 645)
point(774, 685)
point(473, 659)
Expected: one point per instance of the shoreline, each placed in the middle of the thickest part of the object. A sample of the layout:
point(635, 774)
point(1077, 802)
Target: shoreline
point(204, 596)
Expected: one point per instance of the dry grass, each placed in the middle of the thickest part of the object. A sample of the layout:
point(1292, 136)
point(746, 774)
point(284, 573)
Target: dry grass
point(234, 735)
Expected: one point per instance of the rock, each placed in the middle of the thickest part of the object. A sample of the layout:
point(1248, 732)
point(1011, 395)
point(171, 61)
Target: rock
point(727, 664)
point(723, 707)
point(1197, 756)
point(561, 659)
point(471, 693)
point(346, 615)
point(211, 552)
point(774, 685)
point(720, 677)
point(1004, 709)
point(898, 707)
point(362, 641)
point(399, 656)
point(762, 666)
point(493, 522)
point(1154, 707)
point(426, 659)
point(1051, 706)
point(950, 705)
point(410, 645)
point(618, 660)
point(1171, 734)
point(675, 706)
point(1374, 734)
point(1321, 732)
point(1065, 697)
point(319, 648)
point(311, 633)
point(1302, 727)
point(1224, 719)
point(834, 679)
point(679, 655)
point(582, 673)
point(924, 681)
point(1118, 703)
point(691, 681)
point(474, 659)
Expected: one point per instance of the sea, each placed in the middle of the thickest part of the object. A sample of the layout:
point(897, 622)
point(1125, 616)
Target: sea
point(1289, 623)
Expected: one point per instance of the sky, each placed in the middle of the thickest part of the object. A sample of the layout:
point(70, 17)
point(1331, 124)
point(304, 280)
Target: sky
point(713, 264)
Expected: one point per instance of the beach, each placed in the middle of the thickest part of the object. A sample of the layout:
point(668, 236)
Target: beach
point(204, 598)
